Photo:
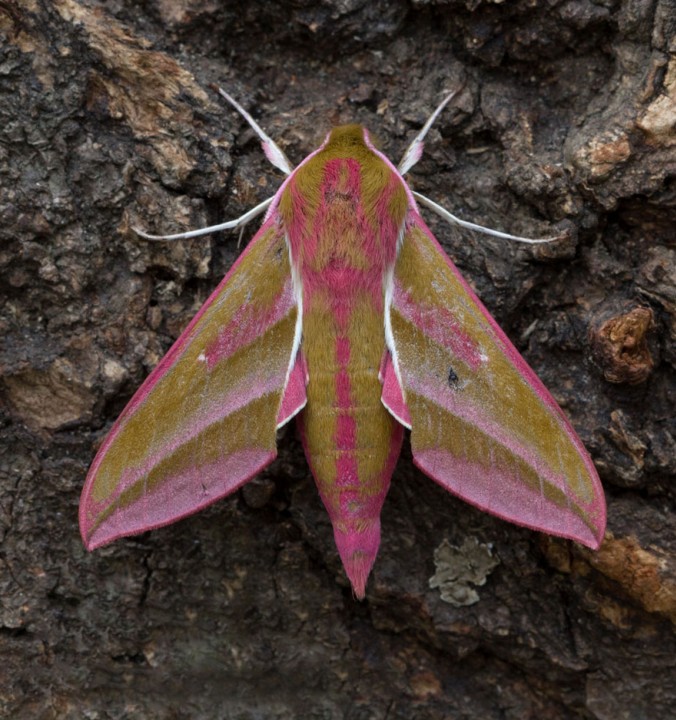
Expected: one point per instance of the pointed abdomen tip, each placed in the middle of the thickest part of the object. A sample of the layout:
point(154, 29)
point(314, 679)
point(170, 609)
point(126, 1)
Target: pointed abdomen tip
point(358, 547)
point(358, 568)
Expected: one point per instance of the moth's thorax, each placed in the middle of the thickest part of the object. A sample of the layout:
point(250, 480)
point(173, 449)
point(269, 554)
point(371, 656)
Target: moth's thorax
point(343, 210)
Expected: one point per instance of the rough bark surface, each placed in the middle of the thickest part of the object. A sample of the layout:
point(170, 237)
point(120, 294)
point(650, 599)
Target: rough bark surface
point(566, 120)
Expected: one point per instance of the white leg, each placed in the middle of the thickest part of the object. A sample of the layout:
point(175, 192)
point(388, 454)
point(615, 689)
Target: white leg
point(449, 217)
point(240, 222)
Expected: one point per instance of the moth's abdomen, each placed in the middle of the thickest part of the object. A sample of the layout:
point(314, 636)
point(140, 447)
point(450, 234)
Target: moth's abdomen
point(351, 441)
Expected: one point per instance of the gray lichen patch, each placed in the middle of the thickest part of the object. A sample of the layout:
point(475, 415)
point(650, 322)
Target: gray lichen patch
point(460, 568)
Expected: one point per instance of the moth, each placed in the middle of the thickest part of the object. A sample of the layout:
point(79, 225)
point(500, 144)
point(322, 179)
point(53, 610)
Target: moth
point(345, 313)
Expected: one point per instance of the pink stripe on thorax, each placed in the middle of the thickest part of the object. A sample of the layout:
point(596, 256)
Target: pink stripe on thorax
point(301, 228)
point(343, 351)
point(376, 228)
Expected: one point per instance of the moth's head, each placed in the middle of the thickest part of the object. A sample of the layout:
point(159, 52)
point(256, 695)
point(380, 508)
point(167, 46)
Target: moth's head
point(346, 136)
point(350, 140)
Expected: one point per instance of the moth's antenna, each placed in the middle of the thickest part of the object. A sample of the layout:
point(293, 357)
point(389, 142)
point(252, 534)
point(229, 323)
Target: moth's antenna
point(240, 222)
point(449, 217)
point(415, 149)
point(272, 151)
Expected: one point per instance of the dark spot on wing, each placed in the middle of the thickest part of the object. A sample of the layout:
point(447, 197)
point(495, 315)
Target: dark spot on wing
point(453, 379)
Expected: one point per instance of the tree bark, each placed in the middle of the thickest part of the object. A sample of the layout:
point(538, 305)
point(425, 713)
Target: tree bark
point(566, 121)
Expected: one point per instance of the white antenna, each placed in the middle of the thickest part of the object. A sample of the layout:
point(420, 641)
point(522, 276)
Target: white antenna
point(415, 149)
point(272, 151)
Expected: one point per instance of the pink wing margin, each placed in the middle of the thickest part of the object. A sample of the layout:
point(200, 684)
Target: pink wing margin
point(482, 424)
point(205, 420)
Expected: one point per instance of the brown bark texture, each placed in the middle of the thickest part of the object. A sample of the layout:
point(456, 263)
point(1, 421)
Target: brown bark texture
point(566, 121)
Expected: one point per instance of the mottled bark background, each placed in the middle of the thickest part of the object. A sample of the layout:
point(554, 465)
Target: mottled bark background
point(566, 121)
